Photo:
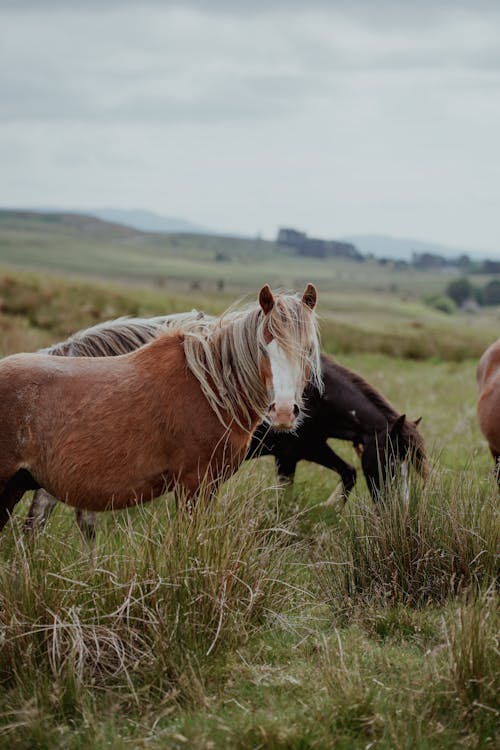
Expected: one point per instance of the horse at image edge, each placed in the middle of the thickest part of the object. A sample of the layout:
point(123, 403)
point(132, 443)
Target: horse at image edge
point(488, 405)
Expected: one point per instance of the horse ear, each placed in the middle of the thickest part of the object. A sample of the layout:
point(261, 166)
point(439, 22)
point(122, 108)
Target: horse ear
point(417, 421)
point(397, 426)
point(310, 296)
point(266, 299)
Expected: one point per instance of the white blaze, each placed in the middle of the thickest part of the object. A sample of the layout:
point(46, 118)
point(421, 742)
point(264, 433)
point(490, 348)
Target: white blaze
point(285, 383)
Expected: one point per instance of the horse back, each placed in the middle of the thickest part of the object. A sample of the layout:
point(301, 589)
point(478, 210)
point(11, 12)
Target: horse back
point(349, 407)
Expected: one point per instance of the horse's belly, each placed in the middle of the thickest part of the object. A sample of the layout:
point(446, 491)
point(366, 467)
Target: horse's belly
point(87, 496)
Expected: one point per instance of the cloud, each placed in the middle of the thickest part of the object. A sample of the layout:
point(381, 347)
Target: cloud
point(245, 115)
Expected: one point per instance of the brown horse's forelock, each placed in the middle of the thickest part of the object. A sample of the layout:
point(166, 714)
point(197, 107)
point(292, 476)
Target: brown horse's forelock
point(294, 326)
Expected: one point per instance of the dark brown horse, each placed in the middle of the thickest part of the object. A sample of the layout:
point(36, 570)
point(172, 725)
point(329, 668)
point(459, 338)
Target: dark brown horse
point(347, 408)
point(488, 405)
point(108, 432)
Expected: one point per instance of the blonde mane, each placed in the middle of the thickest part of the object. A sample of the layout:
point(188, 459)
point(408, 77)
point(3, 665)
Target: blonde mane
point(224, 355)
point(119, 336)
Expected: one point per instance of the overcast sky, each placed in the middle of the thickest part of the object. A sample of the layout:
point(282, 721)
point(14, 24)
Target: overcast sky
point(333, 117)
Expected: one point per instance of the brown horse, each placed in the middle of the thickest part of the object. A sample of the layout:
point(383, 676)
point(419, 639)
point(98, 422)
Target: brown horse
point(108, 432)
point(108, 339)
point(488, 405)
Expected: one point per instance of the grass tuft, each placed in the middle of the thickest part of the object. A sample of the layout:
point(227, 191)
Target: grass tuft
point(161, 596)
point(446, 541)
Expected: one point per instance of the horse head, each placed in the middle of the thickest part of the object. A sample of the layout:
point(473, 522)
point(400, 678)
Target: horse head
point(289, 351)
point(385, 455)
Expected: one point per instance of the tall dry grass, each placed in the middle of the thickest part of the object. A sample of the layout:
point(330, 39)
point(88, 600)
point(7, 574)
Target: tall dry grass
point(473, 652)
point(444, 542)
point(146, 610)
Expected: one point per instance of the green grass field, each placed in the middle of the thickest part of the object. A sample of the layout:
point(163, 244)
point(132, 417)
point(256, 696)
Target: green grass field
point(268, 620)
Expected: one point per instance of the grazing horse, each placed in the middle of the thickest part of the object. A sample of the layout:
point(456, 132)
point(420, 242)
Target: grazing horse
point(105, 433)
point(488, 405)
point(347, 408)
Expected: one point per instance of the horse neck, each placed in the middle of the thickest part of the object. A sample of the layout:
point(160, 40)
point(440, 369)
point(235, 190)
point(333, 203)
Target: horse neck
point(358, 404)
point(226, 364)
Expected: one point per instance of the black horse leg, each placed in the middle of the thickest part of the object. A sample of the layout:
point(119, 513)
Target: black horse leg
point(323, 455)
point(12, 492)
point(8, 500)
point(285, 469)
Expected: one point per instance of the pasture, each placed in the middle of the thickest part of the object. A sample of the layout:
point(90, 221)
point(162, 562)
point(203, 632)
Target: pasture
point(268, 620)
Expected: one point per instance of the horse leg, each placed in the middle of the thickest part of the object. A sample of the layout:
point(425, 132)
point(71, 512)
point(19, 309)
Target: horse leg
point(285, 469)
point(12, 491)
point(86, 523)
point(496, 458)
point(41, 507)
point(323, 455)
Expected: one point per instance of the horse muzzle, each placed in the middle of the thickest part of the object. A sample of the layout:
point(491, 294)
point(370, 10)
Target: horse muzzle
point(283, 415)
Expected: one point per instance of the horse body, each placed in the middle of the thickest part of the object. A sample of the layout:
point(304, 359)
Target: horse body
point(347, 408)
point(488, 405)
point(107, 432)
point(118, 411)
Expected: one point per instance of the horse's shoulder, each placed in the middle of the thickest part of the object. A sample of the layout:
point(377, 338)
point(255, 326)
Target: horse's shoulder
point(489, 364)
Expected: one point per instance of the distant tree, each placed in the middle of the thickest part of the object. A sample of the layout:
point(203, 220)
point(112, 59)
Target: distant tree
point(491, 293)
point(460, 290)
point(428, 260)
point(490, 266)
point(441, 302)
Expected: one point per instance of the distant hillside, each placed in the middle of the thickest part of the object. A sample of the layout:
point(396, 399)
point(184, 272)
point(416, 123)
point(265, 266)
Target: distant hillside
point(79, 244)
point(400, 248)
point(148, 221)
point(144, 221)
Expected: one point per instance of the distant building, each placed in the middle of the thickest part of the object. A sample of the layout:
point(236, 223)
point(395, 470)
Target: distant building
point(316, 248)
point(426, 261)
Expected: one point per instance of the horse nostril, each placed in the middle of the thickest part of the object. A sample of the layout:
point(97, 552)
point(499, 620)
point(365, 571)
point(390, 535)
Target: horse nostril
point(296, 410)
point(272, 406)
